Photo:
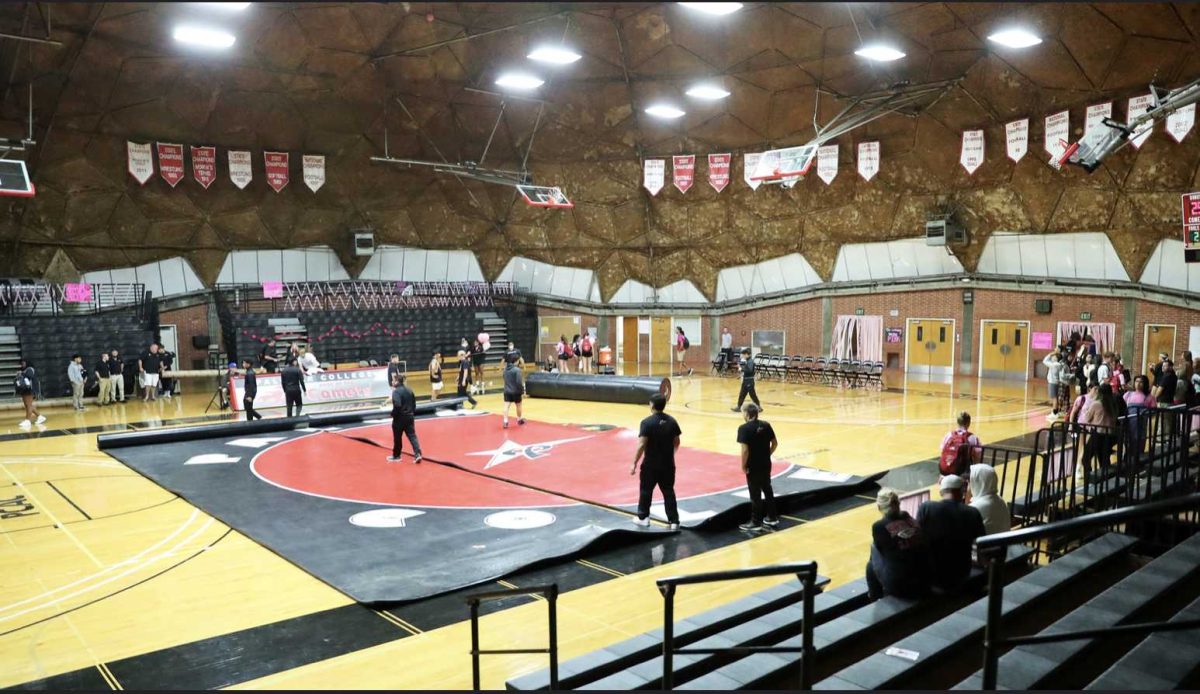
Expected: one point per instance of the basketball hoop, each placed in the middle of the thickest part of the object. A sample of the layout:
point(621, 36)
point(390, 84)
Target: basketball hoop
point(777, 164)
point(1068, 150)
point(544, 196)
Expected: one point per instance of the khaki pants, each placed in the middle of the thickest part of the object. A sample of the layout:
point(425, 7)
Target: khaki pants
point(77, 395)
point(117, 391)
point(105, 396)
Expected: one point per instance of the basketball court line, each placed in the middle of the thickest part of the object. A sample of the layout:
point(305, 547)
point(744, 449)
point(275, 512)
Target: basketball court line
point(54, 519)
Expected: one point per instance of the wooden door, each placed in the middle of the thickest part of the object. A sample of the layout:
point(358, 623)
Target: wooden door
point(931, 345)
point(629, 343)
point(918, 354)
point(1158, 338)
point(660, 340)
point(1004, 349)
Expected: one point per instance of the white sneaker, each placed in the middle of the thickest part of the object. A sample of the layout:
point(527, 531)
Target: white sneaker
point(672, 526)
point(393, 459)
point(40, 420)
point(641, 522)
point(25, 424)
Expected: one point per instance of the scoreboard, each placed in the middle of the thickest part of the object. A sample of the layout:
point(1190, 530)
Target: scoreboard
point(1191, 227)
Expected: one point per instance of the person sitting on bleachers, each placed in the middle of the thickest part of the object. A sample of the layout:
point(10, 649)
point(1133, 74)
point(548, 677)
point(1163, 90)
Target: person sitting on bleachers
point(983, 486)
point(900, 561)
point(951, 527)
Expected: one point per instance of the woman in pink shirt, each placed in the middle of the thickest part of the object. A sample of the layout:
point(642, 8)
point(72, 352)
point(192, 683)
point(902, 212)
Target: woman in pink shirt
point(1100, 423)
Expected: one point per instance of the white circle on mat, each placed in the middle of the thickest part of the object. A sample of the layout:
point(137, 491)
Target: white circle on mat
point(384, 517)
point(519, 520)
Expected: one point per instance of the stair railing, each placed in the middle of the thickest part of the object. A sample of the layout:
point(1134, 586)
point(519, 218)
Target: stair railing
point(550, 593)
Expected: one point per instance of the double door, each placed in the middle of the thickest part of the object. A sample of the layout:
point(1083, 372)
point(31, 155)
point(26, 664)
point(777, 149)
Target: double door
point(930, 346)
point(1004, 349)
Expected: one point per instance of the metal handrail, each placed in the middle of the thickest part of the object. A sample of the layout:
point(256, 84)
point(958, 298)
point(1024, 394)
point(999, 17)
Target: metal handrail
point(550, 592)
point(805, 571)
point(992, 549)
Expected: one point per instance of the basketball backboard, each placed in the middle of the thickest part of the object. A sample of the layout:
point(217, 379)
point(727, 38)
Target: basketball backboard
point(789, 161)
point(14, 179)
point(544, 196)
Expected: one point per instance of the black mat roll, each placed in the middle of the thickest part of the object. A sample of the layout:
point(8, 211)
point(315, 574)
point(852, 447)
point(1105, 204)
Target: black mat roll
point(632, 390)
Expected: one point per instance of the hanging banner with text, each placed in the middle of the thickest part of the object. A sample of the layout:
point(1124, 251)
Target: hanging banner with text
point(1057, 133)
point(276, 165)
point(1095, 115)
point(204, 165)
point(1137, 106)
point(654, 175)
point(141, 161)
point(344, 385)
point(827, 163)
point(241, 169)
point(1016, 136)
point(170, 163)
point(314, 171)
point(971, 156)
point(718, 171)
point(868, 159)
point(1180, 123)
point(684, 173)
point(749, 164)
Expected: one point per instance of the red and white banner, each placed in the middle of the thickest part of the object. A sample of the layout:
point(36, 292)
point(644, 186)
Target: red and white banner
point(314, 171)
point(1180, 123)
point(827, 163)
point(170, 163)
point(718, 170)
point(971, 156)
point(684, 173)
point(1057, 133)
point(331, 386)
point(141, 161)
point(276, 164)
point(1016, 135)
point(654, 175)
point(749, 164)
point(868, 159)
point(204, 165)
point(1095, 116)
point(1137, 106)
point(241, 168)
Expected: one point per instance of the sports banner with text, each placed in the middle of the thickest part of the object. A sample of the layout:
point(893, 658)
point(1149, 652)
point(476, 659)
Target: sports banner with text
point(971, 156)
point(827, 163)
point(718, 170)
point(868, 159)
point(654, 175)
point(1016, 136)
point(684, 173)
point(170, 163)
point(314, 171)
point(204, 165)
point(330, 386)
point(241, 170)
point(141, 161)
point(276, 165)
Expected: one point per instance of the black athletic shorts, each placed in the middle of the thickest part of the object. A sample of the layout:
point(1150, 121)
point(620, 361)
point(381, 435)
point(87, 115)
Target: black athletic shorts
point(512, 397)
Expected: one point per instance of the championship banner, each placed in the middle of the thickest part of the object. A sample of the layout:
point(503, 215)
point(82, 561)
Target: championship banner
point(654, 175)
point(868, 159)
point(321, 388)
point(276, 164)
point(241, 169)
point(749, 164)
point(1095, 116)
point(141, 161)
point(971, 156)
point(204, 165)
point(718, 170)
point(1016, 136)
point(1057, 133)
point(1137, 106)
point(684, 171)
point(314, 171)
point(170, 163)
point(1180, 123)
point(827, 163)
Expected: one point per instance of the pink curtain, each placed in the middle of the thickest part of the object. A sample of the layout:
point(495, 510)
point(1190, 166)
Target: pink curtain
point(1105, 334)
point(857, 337)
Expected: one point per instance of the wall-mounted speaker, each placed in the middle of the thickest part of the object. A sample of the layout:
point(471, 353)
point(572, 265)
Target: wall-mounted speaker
point(201, 341)
point(364, 243)
point(1043, 306)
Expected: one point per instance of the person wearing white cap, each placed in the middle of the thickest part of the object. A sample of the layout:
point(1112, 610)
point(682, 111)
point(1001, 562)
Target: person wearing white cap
point(951, 527)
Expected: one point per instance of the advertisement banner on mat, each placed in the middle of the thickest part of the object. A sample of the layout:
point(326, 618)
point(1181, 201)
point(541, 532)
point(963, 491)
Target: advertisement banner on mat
point(684, 175)
point(204, 165)
point(718, 171)
point(276, 165)
point(170, 163)
point(1180, 123)
point(141, 161)
point(827, 163)
point(331, 386)
point(868, 159)
point(1017, 138)
point(749, 164)
point(654, 175)
point(314, 171)
point(241, 170)
point(971, 156)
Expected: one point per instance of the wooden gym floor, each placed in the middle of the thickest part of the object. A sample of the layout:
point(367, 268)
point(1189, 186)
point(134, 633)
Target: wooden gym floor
point(111, 581)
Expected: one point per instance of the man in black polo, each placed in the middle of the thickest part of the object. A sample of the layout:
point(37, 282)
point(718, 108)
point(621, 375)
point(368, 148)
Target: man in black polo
point(104, 379)
point(758, 443)
point(292, 380)
point(150, 370)
point(117, 369)
point(658, 438)
point(404, 411)
point(268, 359)
point(251, 391)
point(395, 370)
point(747, 367)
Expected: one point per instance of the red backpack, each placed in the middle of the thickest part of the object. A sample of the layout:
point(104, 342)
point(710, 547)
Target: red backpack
point(567, 351)
point(955, 454)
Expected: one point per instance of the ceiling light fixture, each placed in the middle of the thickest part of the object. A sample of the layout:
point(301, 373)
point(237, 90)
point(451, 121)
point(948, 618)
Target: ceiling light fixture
point(710, 92)
point(664, 111)
point(881, 52)
point(519, 80)
point(199, 36)
point(1015, 38)
point(718, 9)
point(230, 6)
point(555, 55)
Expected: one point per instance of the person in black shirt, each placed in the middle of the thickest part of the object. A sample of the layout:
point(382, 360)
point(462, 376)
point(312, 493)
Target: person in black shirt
point(658, 439)
point(747, 367)
point(292, 380)
point(394, 371)
point(1168, 382)
point(251, 391)
point(464, 378)
point(404, 411)
point(168, 361)
point(26, 386)
point(150, 370)
point(104, 380)
point(117, 369)
point(478, 356)
point(951, 527)
point(900, 561)
point(268, 359)
point(513, 355)
point(514, 390)
point(758, 443)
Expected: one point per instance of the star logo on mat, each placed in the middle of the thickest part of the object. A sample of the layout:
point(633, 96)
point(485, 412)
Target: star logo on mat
point(511, 450)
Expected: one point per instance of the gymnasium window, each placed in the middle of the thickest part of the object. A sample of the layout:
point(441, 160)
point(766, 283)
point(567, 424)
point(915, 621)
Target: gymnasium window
point(920, 333)
point(995, 335)
point(1017, 337)
point(942, 334)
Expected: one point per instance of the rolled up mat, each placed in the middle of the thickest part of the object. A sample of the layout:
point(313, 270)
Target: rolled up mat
point(632, 390)
point(204, 431)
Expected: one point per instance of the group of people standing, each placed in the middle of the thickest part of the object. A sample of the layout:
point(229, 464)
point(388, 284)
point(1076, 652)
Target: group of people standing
point(581, 347)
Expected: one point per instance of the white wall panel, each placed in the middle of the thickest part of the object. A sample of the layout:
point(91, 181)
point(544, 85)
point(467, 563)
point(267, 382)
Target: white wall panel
point(1084, 255)
point(295, 266)
point(436, 266)
point(1166, 268)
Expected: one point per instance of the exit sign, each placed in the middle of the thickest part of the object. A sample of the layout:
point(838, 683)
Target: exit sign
point(1085, 316)
point(859, 312)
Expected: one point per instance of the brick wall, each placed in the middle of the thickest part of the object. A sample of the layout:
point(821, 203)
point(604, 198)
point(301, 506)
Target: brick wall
point(800, 321)
point(188, 322)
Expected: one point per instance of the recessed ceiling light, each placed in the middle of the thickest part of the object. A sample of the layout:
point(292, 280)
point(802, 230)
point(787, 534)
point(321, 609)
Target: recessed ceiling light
point(707, 91)
point(199, 36)
point(714, 8)
point(880, 52)
point(519, 80)
point(664, 111)
point(230, 6)
point(1015, 38)
point(556, 55)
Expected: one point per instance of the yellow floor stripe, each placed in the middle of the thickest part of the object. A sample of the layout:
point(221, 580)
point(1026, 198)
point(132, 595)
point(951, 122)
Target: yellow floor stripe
point(506, 584)
point(109, 677)
point(46, 509)
point(396, 621)
point(793, 518)
point(409, 625)
point(598, 567)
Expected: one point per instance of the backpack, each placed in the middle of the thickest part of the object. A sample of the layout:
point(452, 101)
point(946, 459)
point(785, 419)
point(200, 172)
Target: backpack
point(568, 352)
point(686, 343)
point(955, 458)
point(22, 384)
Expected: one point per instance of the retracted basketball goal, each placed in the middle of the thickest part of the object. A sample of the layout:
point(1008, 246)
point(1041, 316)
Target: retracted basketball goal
point(14, 179)
point(784, 165)
point(545, 196)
